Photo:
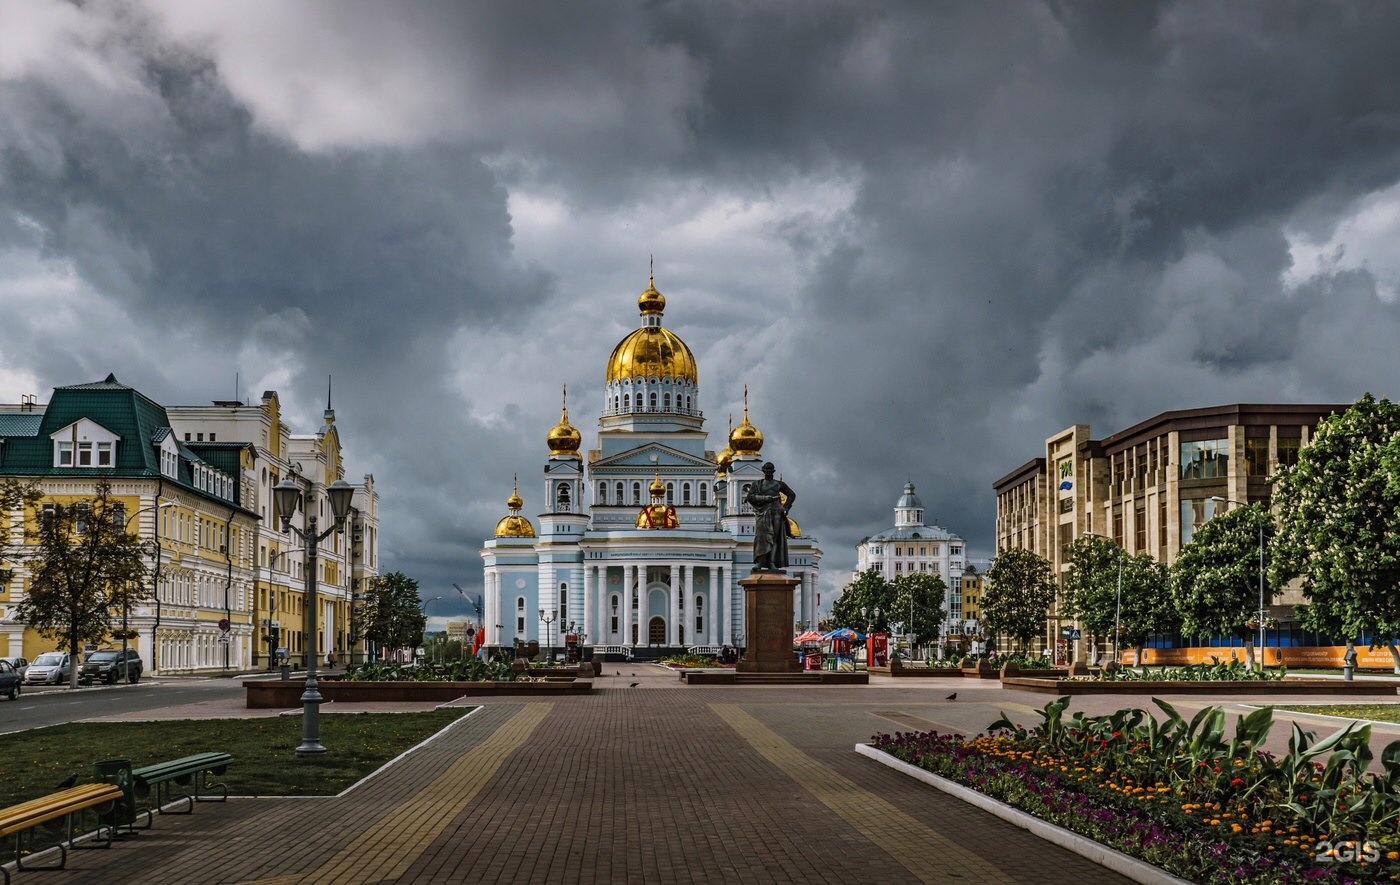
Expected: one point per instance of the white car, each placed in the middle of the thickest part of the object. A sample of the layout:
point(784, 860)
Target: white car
point(20, 665)
point(49, 668)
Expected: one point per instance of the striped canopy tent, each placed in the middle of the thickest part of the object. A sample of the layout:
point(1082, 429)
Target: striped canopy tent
point(809, 636)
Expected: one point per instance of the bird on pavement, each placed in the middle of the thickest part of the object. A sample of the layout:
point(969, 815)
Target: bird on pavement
point(67, 782)
point(952, 697)
point(619, 672)
point(634, 685)
point(634, 674)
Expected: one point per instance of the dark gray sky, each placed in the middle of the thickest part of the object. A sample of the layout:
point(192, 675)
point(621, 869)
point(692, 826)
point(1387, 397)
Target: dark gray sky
point(926, 235)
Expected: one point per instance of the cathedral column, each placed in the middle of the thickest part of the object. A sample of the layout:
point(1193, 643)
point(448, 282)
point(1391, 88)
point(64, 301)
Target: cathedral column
point(588, 600)
point(712, 631)
point(496, 621)
point(676, 591)
point(727, 634)
point(628, 571)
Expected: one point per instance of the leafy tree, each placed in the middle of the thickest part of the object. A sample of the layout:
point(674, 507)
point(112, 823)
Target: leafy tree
point(1338, 511)
point(1215, 580)
point(390, 616)
point(1147, 605)
point(1020, 589)
point(868, 592)
point(918, 595)
point(1090, 588)
point(85, 569)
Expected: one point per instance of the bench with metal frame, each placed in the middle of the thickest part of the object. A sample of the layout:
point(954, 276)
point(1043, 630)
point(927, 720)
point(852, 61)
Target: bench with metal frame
point(19, 820)
point(188, 771)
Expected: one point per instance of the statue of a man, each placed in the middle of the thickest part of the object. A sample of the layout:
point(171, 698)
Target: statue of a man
point(767, 497)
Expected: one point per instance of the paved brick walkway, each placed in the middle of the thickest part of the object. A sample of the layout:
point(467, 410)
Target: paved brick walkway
point(655, 784)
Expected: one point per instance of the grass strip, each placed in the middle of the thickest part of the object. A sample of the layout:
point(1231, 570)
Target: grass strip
point(1374, 712)
point(264, 758)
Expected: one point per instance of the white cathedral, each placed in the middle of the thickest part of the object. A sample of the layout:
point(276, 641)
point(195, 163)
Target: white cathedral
point(644, 538)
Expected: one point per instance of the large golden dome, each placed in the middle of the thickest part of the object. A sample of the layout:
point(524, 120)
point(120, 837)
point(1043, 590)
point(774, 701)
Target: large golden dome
point(564, 438)
point(746, 439)
point(651, 351)
point(513, 525)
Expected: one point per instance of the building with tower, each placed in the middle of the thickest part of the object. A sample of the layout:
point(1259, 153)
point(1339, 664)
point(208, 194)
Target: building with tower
point(642, 539)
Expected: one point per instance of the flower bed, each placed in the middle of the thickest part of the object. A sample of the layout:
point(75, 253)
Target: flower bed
point(1185, 797)
point(689, 661)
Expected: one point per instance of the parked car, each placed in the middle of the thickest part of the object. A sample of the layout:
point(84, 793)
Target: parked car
point(9, 680)
point(49, 668)
point(113, 666)
point(20, 665)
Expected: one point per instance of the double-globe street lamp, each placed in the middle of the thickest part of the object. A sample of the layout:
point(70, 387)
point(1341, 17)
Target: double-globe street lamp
point(548, 620)
point(1118, 606)
point(1262, 611)
point(287, 495)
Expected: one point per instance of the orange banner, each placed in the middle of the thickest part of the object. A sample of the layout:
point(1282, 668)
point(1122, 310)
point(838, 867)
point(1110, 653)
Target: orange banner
point(1299, 656)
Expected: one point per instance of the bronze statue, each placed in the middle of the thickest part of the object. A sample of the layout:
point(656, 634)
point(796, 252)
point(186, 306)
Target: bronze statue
point(771, 500)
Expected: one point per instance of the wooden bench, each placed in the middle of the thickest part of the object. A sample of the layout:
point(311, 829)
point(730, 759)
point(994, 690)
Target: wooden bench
point(191, 771)
point(19, 820)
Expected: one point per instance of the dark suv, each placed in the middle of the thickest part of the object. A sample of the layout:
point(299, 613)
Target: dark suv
point(114, 665)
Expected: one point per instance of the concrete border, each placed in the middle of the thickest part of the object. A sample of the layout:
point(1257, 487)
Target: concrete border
point(1301, 686)
point(1109, 858)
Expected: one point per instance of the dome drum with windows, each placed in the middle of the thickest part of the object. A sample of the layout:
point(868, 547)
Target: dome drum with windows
point(652, 370)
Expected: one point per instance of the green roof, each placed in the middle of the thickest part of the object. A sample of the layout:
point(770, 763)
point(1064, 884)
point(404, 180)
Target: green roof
point(20, 423)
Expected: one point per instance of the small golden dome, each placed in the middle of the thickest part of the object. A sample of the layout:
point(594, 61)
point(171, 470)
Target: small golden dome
point(657, 487)
point(746, 439)
point(651, 300)
point(513, 525)
point(794, 530)
point(564, 438)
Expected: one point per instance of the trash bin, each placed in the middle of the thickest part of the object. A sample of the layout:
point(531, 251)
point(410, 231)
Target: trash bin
point(118, 771)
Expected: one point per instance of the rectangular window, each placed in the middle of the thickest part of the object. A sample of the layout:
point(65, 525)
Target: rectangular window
point(1288, 451)
point(65, 454)
point(1205, 459)
point(82, 513)
point(1162, 527)
point(1194, 514)
point(955, 550)
point(1066, 536)
point(1118, 528)
point(84, 454)
point(1066, 505)
point(119, 516)
point(1140, 527)
point(1256, 457)
point(104, 454)
point(519, 625)
point(614, 623)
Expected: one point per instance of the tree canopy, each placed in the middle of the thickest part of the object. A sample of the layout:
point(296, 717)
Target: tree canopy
point(1215, 579)
point(1091, 583)
point(390, 614)
point(868, 592)
point(85, 569)
point(1020, 589)
point(1338, 511)
point(918, 595)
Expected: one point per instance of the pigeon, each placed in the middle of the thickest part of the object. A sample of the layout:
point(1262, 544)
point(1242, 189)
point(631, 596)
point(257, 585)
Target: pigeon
point(67, 782)
point(619, 672)
point(634, 685)
point(634, 674)
point(952, 697)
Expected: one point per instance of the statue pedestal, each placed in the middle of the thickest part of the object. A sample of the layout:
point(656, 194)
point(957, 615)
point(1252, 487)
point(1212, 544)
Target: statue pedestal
point(768, 624)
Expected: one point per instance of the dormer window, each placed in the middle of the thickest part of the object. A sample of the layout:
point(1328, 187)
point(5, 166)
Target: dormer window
point(84, 444)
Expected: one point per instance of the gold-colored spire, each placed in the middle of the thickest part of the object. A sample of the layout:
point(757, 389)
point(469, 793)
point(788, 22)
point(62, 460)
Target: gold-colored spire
point(651, 301)
point(746, 439)
point(564, 439)
point(514, 502)
point(513, 525)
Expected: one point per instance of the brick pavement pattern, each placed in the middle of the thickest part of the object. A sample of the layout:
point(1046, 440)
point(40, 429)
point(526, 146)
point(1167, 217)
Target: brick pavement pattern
point(656, 784)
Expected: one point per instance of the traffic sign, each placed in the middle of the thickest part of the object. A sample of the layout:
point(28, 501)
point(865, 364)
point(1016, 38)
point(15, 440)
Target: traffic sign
point(1075, 635)
point(224, 638)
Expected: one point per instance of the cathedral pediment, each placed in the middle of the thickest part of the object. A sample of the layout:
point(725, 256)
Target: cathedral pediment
point(649, 456)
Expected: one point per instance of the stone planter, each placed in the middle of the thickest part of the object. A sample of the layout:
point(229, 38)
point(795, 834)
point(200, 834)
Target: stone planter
point(1139, 687)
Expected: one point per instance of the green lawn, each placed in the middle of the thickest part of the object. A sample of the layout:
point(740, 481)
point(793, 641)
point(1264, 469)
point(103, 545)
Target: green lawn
point(264, 761)
point(1378, 712)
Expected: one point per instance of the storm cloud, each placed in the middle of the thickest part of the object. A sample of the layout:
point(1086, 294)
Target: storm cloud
point(926, 236)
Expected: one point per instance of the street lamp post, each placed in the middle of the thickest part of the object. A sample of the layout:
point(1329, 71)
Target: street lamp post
point(548, 620)
point(1118, 605)
point(288, 495)
point(1262, 610)
point(423, 607)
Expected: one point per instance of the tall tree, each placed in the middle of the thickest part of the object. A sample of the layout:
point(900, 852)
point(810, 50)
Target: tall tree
point(1020, 589)
point(917, 604)
point(1147, 604)
point(84, 571)
point(1338, 510)
point(1215, 580)
point(1091, 584)
point(868, 592)
point(391, 615)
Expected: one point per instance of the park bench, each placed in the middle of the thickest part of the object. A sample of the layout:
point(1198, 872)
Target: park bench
point(17, 821)
point(191, 771)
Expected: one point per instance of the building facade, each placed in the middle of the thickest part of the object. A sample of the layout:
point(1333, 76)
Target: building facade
point(1148, 488)
point(914, 546)
point(642, 539)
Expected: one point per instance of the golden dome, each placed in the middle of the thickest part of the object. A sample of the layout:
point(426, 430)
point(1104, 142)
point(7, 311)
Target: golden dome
point(651, 351)
point(746, 439)
point(564, 438)
point(513, 525)
point(794, 530)
point(657, 487)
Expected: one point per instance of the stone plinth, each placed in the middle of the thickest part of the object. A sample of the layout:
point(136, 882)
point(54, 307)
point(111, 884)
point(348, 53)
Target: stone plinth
point(768, 624)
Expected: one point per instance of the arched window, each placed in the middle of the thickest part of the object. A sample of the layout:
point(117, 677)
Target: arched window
point(621, 499)
point(563, 602)
point(636, 493)
point(704, 494)
point(616, 402)
point(685, 494)
point(744, 497)
point(520, 603)
point(563, 498)
point(666, 402)
point(627, 402)
point(670, 493)
point(687, 402)
point(602, 493)
point(652, 401)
